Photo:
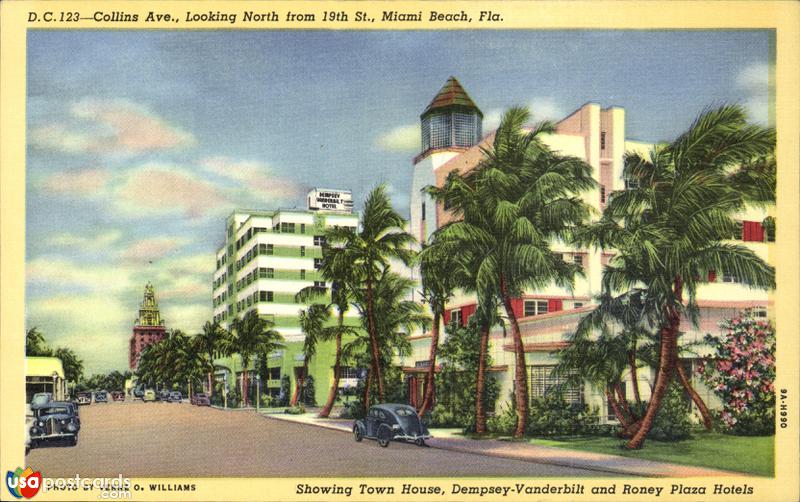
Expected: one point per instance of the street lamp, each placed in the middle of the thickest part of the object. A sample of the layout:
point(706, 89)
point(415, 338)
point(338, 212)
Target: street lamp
point(225, 389)
point(258, 391)
point(55, 379)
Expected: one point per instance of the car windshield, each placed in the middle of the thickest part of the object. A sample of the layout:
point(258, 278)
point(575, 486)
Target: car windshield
point(405, 412)
point(55, 409)
point(40, 399)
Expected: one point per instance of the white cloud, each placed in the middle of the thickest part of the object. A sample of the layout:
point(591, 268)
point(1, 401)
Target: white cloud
point(110, 126)
point(754, 79)
point(541, 108)
point(404, 138)
point(83, 182)
point(97, 241)
point(152, 249)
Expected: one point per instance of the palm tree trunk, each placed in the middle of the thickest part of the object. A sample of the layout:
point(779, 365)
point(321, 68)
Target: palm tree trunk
point(480, 411)
point(520, 380)
point(666, 365)
point(326, 410)
point(623, 401)
point(430, 376)
point(698, 401)
point(373, 339)
point(615, 407)
point(209, 385)
point(367, 385)
point(244, 383)
point(634, 377)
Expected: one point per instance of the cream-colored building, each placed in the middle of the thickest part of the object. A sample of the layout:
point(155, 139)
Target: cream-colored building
point(452, 140)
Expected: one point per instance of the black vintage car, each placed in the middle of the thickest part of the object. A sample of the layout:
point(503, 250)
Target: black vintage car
point(391, 422)
point(101, 396)
point(55, 420)
point(84, 398)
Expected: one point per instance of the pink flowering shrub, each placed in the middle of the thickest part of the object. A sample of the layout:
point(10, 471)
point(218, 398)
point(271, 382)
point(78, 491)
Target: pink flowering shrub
point(742, 374)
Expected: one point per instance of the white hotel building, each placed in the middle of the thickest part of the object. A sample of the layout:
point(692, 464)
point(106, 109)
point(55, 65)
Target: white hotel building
point(451, 140)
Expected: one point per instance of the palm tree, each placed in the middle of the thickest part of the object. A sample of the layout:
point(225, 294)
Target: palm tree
point(342, 284)
point(367, 252)
point(312, 323)
point(252, 335)
point(213, 340)
point(509, 209)
point(437, 267)
point(395, 315)
point(671, 231)
point(35, 343)
point(73, 366)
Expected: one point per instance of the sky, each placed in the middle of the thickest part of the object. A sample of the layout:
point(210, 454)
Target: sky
point(141, 143)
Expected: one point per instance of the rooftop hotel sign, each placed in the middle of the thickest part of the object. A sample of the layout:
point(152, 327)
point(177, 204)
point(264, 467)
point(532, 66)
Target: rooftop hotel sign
point(324, 199)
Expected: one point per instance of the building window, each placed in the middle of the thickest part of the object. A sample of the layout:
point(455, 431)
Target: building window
point(302, 228)
point(455, 316)
point(302, 273)
point(287, 228)
point(302, 250)
point(603, 194)
point(265, 296)
point(577, 259)
point(757, 312)
point(319, 284)
point(348, 372)
point(543, 383)
point(534, 307)
point(602, 140)
point(317, 263)
point(423, 210)
point(319, 240)
point(577, 305)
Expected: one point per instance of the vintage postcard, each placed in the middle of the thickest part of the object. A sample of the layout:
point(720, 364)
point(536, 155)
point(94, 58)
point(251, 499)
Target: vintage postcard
point(444, 250)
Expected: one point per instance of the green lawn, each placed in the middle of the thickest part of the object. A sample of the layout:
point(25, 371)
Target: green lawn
point(751, 455)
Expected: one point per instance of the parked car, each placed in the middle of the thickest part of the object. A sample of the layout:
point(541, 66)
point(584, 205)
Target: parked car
point(149, 395)
point(175, 397)
point(55, 420)
point(41, 398)
point(391, 422)
point(101, 396)
point(201, 400)
point(138, 392)
point(84, 398)
point(163, 395)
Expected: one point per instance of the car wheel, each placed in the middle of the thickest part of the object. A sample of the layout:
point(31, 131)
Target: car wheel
point(73, 440)
point(357, 434)
point(419, 442)
point(384, 436)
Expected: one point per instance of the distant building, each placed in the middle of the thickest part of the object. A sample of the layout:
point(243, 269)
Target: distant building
point(267, 258)
point(44, 374)
point(148, 327)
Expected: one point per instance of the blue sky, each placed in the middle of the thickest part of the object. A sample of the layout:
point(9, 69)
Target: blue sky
point(140, 143)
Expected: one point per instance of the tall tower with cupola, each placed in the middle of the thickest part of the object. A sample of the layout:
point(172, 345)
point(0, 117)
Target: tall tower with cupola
point(148, 327)
point(450, 124)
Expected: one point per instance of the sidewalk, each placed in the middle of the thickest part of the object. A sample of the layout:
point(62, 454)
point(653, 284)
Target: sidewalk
point(446, 439)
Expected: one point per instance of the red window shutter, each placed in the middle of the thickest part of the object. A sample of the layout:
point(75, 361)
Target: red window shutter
point(466, 312)
point(712, 276)
point(554, 305)
point(756, 231)
point(747, 231)
point(447, 317)
point(516, 306)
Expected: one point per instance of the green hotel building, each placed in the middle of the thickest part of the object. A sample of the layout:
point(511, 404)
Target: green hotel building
point(267, 257)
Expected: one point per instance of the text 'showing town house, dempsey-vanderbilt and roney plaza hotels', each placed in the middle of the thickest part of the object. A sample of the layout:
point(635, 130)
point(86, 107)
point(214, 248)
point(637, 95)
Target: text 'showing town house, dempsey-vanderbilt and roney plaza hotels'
point(269, 255)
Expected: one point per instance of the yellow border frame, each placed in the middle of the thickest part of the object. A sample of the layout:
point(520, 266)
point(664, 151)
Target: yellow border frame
point(782, 16)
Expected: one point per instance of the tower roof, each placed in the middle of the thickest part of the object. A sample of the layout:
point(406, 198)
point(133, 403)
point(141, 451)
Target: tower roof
point(452, 94)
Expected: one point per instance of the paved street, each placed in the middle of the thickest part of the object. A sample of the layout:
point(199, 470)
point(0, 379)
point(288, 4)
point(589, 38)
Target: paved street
point(138, 439)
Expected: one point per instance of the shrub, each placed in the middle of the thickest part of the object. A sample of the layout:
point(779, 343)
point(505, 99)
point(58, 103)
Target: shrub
point(672, 422)
point(309, 391)
point(551, 416)
point(283, 396)
point(295, 410)
point(742, 373)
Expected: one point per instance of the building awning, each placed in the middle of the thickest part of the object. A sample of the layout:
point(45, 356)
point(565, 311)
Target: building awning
point(411, 370)
point(43, 367)
point(537, 347)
